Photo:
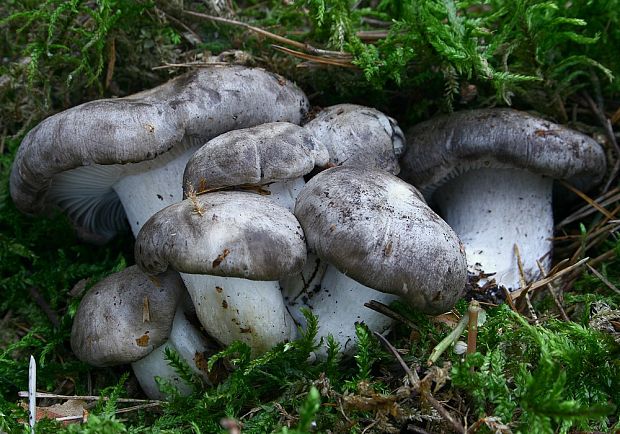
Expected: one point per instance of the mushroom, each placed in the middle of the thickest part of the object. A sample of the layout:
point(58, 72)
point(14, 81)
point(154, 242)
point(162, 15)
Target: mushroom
point(130, 318)
point(491, 173)
point(359, 136)
point(378, 231)
point(273, 157)
point(230, 248)
point(90, 159)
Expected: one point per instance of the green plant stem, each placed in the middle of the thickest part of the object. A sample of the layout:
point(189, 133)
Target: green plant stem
point(442, 346)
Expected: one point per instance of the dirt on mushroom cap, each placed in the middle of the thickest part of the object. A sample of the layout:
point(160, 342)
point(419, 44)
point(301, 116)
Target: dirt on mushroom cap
point(443, 147)
point(264, 240)
point(378, 230)
point(109, 327)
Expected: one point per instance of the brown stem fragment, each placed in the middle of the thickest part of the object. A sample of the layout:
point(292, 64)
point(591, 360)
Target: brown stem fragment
point(425, 393)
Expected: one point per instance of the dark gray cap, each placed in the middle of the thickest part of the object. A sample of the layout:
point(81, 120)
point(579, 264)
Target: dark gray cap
point(125, 316)
point(378, 230)
point(233, 234)
point(359, 136)
point(275, 151)
point(186, 111)
point(441, 148)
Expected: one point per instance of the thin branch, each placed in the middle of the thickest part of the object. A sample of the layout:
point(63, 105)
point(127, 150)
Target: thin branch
point(415, 382)
point(318, 59)
point(588, 199)
point(554, 294)
point(604, 200)
point(387, 311)
point(119, 411)
point(23, 394)
point(546, 280)
point(45, 307)
point(609, 132)
point(306, 47)
point(414, 379)
point(603, 279)
point(196, 41)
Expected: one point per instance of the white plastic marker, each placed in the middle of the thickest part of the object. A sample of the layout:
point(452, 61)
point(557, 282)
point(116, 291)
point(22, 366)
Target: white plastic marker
point(32, 393)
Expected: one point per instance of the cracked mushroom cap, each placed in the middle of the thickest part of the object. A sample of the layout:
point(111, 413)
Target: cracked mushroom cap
point(444, 147)
point(266, 153)
point(232, 234)
point(359, 136)
point(377, 229)
point(72, 159)
point(125, 316)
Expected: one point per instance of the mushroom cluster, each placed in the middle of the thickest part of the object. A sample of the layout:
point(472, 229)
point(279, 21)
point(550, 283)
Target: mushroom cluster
point(242, 238)
point(243, 216)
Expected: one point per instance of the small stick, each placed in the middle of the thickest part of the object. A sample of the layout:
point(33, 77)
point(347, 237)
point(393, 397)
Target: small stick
point(472, 328)
point(89, 398)
point(510, 298)
point(448, 340)
point(312, 58)
point(523, 284)
point(414, 379)
point(32, 393)
point(306, 47)
point(119, 411)
point(415, 382)
point(549, 279)
point(603, 279)
point(45, 307)
point(387, 311)
point(520, 266)
point(609, 132)
point(588, 199)
point(444, 413)
point(604, 200)
point(554, 294)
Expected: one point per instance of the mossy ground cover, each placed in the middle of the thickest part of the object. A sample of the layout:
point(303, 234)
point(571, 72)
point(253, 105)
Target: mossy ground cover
point(553, 368)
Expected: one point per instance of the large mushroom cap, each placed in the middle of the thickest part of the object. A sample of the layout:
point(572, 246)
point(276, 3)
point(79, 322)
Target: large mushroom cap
point(125, 316)
point(234, 234)
point(359, 136)
point(378, 230)
point(275, 151)
point(444, 147)
point(100, 135)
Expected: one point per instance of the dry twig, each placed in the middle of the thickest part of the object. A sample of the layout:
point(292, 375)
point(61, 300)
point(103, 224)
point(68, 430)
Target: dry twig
point(415, 383)
point(387, 311)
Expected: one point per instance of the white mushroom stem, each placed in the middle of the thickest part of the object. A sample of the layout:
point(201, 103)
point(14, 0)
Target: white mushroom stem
point(284, 193)
point(339, 304)
point(233, 309)
point(189, 344)
point(151, 186)
point(492, 210)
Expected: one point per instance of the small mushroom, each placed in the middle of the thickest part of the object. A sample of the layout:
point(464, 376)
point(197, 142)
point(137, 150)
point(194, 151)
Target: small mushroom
point(230, 248)
point(271, 157)
point(377, 230)
point(359, 136)
point(130, 318)
point(109, 158)
point(491, 173)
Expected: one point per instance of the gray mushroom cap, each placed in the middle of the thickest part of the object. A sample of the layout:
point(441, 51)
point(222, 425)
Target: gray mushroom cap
point(359, 136)
point(266, 153)
point(188, 110)
point(125, 316)
point(233, 234)
point(444, 147)
point(378, 230)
